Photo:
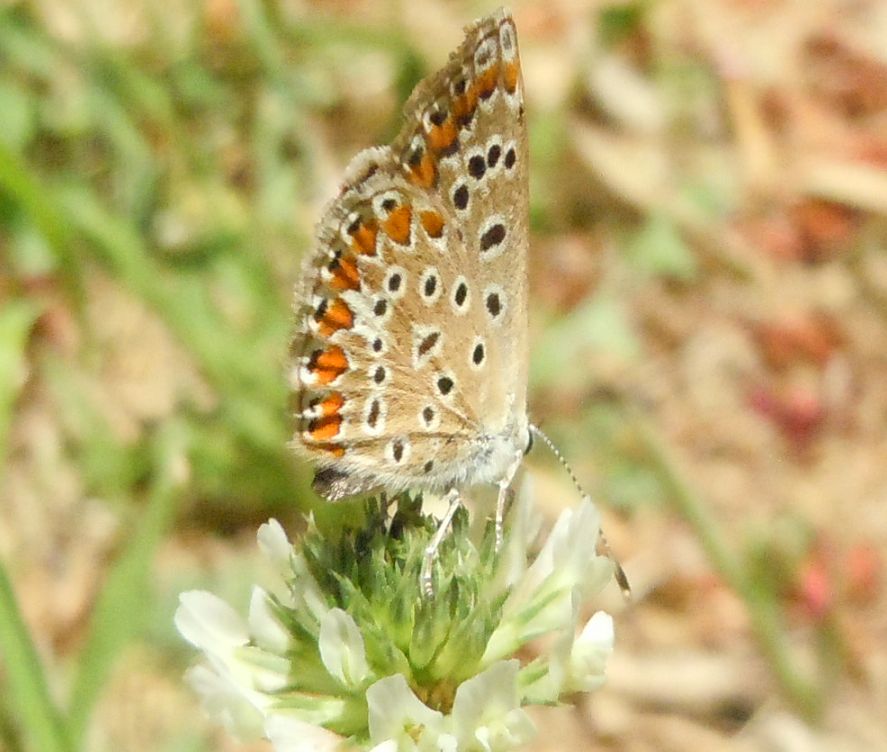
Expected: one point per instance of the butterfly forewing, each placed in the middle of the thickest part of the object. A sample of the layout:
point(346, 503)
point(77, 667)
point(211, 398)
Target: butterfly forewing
point(410, 350)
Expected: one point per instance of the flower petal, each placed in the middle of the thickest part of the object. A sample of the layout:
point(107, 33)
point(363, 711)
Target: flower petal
point(266, 630)
point(568, 568)
point(389, 745)
point(547, 687)
point(306, 593)
point(341, 648)
point(394, 711)
point(225, 700)
point(590, 652)
point(208, 623)
point(288, 734)
point(274, 544)
point(523, 528)
point(487, 711)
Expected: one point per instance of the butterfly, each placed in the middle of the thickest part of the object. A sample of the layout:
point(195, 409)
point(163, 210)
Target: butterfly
point(409, 359)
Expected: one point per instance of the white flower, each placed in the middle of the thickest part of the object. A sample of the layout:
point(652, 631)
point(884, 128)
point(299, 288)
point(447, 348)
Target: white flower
point(225, 700)
point(207, 622)
point(267, 632)
point(487, 714)
point(389, 745)
point(308, 595)
point(543, 600)
point(546, 684)
point(274, 544)
point(397, 716)
point(227, 685)
point(288, 734)
point(341, 648)
point(588, 658)
point(352, 652)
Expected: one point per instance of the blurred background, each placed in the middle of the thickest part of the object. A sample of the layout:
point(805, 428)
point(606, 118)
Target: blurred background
point(709, 316)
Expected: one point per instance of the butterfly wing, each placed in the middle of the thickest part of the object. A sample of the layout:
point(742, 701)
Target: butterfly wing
point(409, 359)
point(465, 138)
point(374, 403)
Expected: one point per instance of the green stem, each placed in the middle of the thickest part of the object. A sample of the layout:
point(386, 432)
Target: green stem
point(123, 606)
point(40, 722)
point(16, 319)
point(18, 183)
point(763, 613)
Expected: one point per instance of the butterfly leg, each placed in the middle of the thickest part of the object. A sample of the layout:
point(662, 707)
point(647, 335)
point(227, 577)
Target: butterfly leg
point(454, 501)
point(506, 495)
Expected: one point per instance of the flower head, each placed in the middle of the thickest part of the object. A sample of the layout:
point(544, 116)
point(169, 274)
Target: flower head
point(355, 651)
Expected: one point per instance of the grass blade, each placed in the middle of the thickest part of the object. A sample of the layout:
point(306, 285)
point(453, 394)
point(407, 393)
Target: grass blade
point(121, 610)
point(40, 721)
point(16, 319)
point(17, 181)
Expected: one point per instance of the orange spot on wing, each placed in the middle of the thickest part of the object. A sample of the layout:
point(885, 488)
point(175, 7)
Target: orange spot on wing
point(327, 365)
point(344, 274)
point(424, 172)
point(464, 106)
point(510, 75)
point(331, 404)
point(325, 428)
point(363, 238)
point(336, 450)
point(397, 226)
point(433, 223)
point(337, 316)
point(486, 82)
point(441, 137)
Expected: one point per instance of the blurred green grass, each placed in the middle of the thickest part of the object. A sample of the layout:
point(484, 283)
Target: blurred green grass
point(104, 148)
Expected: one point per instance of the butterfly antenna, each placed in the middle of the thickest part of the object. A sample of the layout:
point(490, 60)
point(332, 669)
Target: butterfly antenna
point(619, 572)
